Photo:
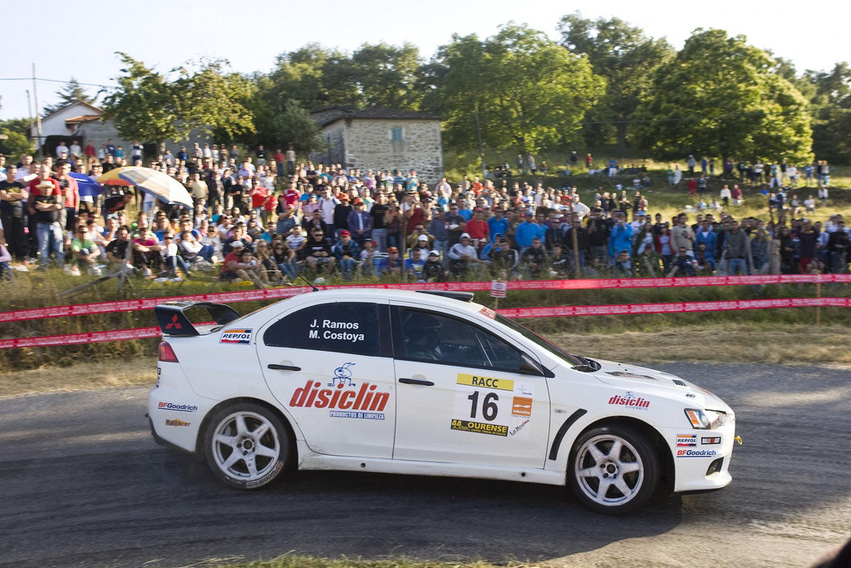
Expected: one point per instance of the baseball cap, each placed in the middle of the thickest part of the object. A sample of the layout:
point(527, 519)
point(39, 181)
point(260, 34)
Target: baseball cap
point(358, 201)
point(434, 252)
point(465, 235)
point(345, 233)
point(422, 238)
point(237, 244)
point(392, 249)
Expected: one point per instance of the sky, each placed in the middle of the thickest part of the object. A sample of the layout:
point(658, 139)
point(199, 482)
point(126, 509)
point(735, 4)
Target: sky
point(251, 34)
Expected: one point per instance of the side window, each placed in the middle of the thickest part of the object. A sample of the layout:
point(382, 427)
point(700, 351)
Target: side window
point(341, 327)
point(396, 135)
point(427, 336)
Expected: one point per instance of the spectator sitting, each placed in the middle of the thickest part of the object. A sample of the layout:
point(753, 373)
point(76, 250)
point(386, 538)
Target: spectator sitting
point(703, 258)
point(534, 259)
point(392, 264)
point(461, 255)
point(116, 250)
point(147, 253)
point(433, 269)
point(682, 264)
point(85, 252)
point(414, 265)
point(317, 252)
point(623, 265)
point(504, 260)
point(347, 253)
point(241, 265)
point(648, 262)
point(264, 257)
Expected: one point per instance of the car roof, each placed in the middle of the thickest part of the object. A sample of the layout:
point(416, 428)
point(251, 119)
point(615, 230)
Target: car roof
point(383, 295)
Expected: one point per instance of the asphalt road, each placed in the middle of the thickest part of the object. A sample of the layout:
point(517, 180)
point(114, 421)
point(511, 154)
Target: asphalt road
point(83, 484)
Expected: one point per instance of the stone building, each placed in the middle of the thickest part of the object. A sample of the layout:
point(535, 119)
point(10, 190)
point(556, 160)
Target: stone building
point(381, 139)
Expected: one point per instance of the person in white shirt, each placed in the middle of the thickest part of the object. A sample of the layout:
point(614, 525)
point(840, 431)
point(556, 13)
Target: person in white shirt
point(75, 149)
point(61, 148)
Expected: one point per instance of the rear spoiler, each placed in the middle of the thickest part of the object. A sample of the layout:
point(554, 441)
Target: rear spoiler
point(173, 321)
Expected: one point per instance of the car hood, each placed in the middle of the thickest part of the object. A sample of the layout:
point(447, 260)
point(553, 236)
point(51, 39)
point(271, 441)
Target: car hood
point(651, 381)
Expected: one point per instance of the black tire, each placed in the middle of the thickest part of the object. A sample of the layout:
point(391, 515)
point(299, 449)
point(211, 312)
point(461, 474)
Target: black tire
point(613, 470)
point(256, 433)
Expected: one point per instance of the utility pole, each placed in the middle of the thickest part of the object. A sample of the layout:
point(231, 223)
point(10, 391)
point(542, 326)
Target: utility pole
point(481, 147)
point(30, 111)
point(37, 116)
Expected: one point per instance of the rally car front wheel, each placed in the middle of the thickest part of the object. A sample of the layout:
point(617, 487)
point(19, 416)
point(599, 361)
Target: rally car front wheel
point(246, 445)
point(613, 470)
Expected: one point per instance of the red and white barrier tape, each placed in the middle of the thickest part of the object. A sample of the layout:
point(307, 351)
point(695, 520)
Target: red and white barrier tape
point(280, 293)
point(555, 311)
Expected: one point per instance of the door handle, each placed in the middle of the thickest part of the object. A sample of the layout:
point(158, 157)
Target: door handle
point(277, 367)
point(416, 382)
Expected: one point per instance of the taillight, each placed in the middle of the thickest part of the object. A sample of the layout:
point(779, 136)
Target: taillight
point(166, 354)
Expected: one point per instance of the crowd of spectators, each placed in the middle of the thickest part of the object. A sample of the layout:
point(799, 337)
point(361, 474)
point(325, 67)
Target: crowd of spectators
point(268, 220)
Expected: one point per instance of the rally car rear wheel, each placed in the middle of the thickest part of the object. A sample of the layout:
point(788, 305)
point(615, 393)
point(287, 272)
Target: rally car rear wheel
point(613, 470)
point(246, 445)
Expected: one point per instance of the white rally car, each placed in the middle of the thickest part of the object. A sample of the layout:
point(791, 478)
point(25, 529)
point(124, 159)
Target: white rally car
point(426, 384)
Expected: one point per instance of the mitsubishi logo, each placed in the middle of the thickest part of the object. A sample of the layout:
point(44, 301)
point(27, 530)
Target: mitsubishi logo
point(174, 323)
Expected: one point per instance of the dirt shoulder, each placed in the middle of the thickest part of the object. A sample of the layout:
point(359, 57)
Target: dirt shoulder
point(798, 345)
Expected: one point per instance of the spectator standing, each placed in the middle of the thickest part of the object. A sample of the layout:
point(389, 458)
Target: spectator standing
point(45, 204)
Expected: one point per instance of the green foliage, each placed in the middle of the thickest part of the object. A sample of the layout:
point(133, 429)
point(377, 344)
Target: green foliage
point(16, 142)
point(293, 127)
point(626, 58)
point(147, 106)
point(72, 91)
point(831, 102)
point(722, 97)
point(529, 92)
point(374, 75)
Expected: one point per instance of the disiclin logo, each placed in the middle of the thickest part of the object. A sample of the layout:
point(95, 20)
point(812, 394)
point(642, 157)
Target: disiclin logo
point(630, 400)
point(177, 407)
point(686, 440)
point(365, 398)
point(236, 336)
point(710, 440)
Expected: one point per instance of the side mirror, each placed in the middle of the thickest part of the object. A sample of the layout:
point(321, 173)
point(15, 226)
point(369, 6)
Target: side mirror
point(530, 367)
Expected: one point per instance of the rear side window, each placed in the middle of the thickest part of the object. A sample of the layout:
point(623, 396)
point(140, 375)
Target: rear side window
point(341, 327)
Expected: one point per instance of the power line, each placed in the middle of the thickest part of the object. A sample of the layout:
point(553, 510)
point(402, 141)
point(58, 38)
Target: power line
point(52, 81)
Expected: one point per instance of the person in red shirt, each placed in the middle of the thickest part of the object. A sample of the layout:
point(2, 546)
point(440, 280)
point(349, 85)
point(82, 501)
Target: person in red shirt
point(70, 190)
point(258, 198)
point(478, 228)
point(90, 151)
point(147, 252)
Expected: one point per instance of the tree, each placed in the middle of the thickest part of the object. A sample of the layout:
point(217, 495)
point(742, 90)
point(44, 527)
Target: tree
point(722, 97)
point(387, 75)
point(625, 57)
point(72, 91)
point(149, 107)
point(831, 103)
point(293, 127)
point(16, 141)
point(529, 92)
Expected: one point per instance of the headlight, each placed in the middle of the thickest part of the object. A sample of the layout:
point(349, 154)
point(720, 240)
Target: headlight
point(705, 419)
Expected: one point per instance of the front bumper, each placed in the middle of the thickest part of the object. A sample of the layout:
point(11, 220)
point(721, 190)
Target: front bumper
point(701, 457)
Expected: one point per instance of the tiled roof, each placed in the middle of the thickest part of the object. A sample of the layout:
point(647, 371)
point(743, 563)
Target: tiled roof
point(82, 118)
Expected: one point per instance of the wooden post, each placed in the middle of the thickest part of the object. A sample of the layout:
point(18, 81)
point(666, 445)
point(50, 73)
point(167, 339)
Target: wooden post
point(818, 307)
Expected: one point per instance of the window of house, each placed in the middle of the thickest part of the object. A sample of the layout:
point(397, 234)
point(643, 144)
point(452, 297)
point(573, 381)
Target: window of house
point(396, 135)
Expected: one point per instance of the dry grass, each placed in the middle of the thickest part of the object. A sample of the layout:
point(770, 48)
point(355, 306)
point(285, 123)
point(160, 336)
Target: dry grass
point(82, 376)
point(729, 343)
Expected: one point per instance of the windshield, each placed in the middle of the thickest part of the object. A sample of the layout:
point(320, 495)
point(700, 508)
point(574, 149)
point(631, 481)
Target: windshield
point(540, 341)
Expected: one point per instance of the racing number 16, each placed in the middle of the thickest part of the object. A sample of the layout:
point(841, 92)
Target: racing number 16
point(489, 406)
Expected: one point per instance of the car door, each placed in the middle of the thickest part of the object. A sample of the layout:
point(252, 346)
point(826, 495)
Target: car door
point(330, 366)
point(462, 397)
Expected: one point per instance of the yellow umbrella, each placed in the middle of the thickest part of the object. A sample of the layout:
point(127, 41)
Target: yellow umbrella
point(162, 186)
